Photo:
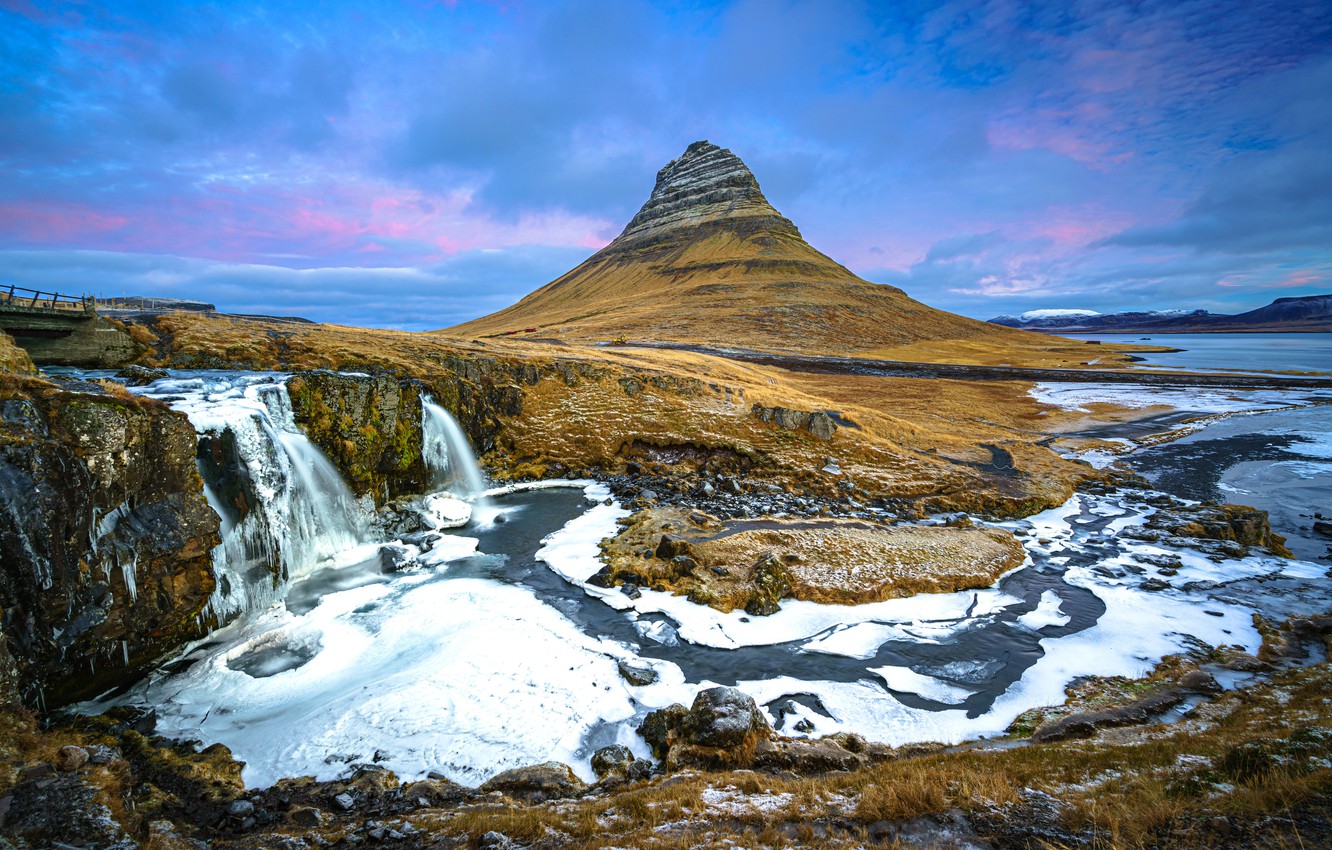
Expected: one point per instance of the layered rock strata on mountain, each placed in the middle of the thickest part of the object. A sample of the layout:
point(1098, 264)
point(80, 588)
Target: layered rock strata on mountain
point(707, 183)
point(105, 547)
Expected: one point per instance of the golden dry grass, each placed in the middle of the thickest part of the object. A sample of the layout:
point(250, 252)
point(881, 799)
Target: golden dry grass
point(14, 359)
point(914, 439)
point(768, 291)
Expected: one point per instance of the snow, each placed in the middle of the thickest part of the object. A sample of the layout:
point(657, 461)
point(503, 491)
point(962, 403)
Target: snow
point(466, 677)
point(1075, 397)
point(573, 551)
point(1055, 313)
point(1047, 613)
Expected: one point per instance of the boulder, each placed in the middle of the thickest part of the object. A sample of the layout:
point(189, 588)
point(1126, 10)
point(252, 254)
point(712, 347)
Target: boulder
point(772, 583)
point(612, 760)
point(673, 546)
point(537, 783)
point(724, 717)
point(821, 425)
point(71, 758)
point(637, 675)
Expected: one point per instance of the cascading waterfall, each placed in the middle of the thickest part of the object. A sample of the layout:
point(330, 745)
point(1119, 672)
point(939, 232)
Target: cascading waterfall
point(304, 513)
point(448, 453)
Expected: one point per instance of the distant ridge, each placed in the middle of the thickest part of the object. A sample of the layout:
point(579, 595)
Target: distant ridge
point(707, 259)
point(1309, 313)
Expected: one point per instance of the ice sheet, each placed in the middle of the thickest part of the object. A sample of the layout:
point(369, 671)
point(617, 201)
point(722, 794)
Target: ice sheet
point(466, 677)
point(1074, 396)
point(909, 681)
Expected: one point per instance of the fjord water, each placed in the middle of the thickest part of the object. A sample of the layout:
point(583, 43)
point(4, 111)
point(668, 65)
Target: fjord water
point(1232, 352)
point(479, 648)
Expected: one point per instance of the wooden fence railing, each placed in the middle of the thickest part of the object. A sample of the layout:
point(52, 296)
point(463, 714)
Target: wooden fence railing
point(35, 299)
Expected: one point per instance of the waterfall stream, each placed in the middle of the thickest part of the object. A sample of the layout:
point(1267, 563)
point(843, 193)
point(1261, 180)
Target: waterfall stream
point(301, 513)
point(447, 451)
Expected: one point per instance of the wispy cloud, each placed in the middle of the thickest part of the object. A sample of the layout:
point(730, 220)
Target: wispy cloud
point(986, 156)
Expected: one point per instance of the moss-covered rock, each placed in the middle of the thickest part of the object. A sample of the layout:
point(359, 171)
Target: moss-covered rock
point(105, 561)
point(368, 425)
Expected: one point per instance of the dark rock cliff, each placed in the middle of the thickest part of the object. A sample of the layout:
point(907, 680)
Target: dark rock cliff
point(105, 559)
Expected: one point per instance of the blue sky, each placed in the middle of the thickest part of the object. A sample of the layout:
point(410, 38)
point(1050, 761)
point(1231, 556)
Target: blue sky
point(417, 164)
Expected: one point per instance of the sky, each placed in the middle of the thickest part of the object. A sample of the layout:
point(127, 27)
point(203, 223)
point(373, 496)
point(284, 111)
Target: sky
point(417, 164)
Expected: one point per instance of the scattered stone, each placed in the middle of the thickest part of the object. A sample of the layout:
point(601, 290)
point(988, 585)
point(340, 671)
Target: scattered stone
point(344, 801)
point(637, 675)
point(306, 817)
point(673, 546)
point(240, 808)
point(138, 376)
point(71, 758)
point(639, 770)
point(1154, 584)
point(102, 754)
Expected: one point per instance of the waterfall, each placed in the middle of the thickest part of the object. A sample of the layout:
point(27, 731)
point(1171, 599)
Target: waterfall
point(302, 513)
point(447, 452)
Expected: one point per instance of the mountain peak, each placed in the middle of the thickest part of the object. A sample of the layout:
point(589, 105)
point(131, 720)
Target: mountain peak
point(708, 260)
point(706, 183)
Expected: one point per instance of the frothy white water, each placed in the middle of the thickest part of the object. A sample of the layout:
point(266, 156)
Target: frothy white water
point(304, 514)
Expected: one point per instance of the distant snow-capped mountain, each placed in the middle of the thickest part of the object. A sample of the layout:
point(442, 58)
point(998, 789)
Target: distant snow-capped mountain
point(1303, 313)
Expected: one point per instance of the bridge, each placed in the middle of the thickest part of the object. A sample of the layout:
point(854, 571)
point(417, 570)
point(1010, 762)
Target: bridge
point(63, 330)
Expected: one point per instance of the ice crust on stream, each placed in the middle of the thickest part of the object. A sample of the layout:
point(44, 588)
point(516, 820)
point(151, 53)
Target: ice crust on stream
point(424, 670)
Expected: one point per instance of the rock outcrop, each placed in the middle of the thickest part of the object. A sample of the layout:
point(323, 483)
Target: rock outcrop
point(370, 425)
point(13, 358)
point(817, 423)
point(1223, 530)
point(706, 184)
point(105, 561)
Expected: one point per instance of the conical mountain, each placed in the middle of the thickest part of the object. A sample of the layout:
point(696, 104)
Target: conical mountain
point(708, 260)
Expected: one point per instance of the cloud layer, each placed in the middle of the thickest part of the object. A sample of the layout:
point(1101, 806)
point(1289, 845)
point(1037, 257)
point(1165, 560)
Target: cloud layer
point(987, 157)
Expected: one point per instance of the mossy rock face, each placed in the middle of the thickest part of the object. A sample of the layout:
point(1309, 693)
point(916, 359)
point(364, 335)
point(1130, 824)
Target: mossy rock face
point(369, 426)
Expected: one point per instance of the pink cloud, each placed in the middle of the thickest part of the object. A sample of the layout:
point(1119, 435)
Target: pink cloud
point(57, 222)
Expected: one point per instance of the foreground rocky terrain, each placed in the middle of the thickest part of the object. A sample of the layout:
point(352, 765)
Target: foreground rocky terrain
point(1246, 768)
